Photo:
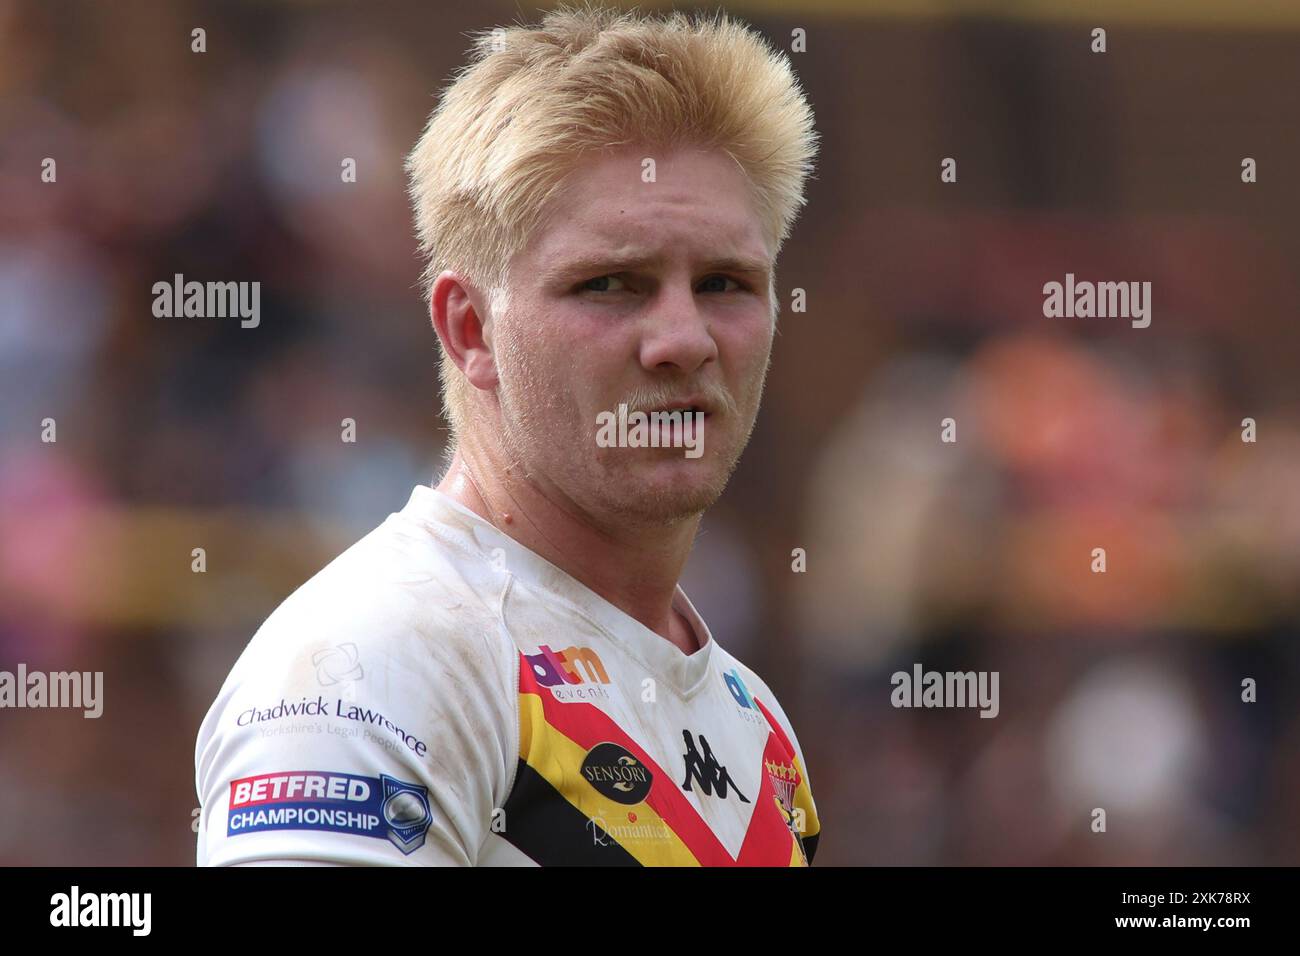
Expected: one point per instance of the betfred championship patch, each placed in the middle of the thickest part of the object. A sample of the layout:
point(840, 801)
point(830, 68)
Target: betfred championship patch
point(382, 807)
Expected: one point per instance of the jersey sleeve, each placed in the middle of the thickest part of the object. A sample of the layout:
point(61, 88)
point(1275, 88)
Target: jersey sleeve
point(382, 735)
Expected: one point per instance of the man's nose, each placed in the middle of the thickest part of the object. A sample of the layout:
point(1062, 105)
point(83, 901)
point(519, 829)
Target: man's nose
point(677, 335)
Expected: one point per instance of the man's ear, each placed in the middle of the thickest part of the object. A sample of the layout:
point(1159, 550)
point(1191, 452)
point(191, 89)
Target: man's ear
point(459, 313)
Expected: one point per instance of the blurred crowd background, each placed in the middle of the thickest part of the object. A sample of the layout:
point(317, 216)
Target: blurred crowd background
point(1119, 690)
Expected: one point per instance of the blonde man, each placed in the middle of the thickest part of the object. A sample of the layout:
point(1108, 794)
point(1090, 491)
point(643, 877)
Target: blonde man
point(507, 672)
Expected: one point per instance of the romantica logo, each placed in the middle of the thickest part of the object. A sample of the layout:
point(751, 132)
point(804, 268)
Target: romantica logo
point(601, 831)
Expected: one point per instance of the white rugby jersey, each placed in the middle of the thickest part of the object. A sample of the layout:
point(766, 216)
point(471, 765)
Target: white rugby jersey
point(439, 694)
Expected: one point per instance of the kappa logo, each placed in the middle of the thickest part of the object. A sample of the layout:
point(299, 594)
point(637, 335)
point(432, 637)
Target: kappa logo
point(706, 771)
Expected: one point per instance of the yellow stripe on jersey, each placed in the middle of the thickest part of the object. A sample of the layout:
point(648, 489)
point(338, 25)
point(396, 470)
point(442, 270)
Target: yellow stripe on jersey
point(649, 839)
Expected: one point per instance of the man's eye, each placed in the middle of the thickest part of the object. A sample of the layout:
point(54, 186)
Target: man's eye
point(724, 279)
point(601, 284)
point(586, 286)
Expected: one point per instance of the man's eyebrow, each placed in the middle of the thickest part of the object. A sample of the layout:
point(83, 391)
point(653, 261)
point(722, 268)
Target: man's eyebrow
point(603, 264)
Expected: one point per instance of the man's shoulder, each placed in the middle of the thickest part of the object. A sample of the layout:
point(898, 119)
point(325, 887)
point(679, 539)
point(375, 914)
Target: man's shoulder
point(388, 664)
point(400, 616)
point(400, 591)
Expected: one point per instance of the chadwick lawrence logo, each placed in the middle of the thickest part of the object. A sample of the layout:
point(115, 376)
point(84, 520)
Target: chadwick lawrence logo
point(344, 710)
point(705, 770)
point(210, 300)
point(562, 671)
point(617, 774)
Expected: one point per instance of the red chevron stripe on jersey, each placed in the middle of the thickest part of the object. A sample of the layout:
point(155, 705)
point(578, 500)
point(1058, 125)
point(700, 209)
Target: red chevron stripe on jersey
point(768, 841)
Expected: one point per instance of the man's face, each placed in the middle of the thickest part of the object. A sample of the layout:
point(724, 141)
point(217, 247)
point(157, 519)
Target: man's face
point(656, 295)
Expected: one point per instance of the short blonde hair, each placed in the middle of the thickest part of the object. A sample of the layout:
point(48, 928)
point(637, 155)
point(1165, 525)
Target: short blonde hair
point(515, 121)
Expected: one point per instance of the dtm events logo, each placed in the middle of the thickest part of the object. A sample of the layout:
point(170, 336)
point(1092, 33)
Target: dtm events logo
point(564, 671)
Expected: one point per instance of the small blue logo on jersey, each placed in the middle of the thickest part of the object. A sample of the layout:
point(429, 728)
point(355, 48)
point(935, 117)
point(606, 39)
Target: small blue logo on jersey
point(738, 689)
point(338, 802)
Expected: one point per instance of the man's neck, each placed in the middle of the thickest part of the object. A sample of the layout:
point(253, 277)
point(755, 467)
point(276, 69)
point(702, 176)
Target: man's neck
point(635, 570)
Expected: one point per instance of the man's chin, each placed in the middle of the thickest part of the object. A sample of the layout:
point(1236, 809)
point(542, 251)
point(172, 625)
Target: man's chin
point(659, 510)
point(661, 492)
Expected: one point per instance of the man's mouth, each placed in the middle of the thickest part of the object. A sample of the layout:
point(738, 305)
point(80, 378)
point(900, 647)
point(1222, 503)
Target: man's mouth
point(689, 406)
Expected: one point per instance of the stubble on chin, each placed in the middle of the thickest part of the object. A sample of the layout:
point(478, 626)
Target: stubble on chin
point(626, 492)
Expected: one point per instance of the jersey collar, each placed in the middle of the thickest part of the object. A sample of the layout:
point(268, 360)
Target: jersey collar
point(686, 673)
